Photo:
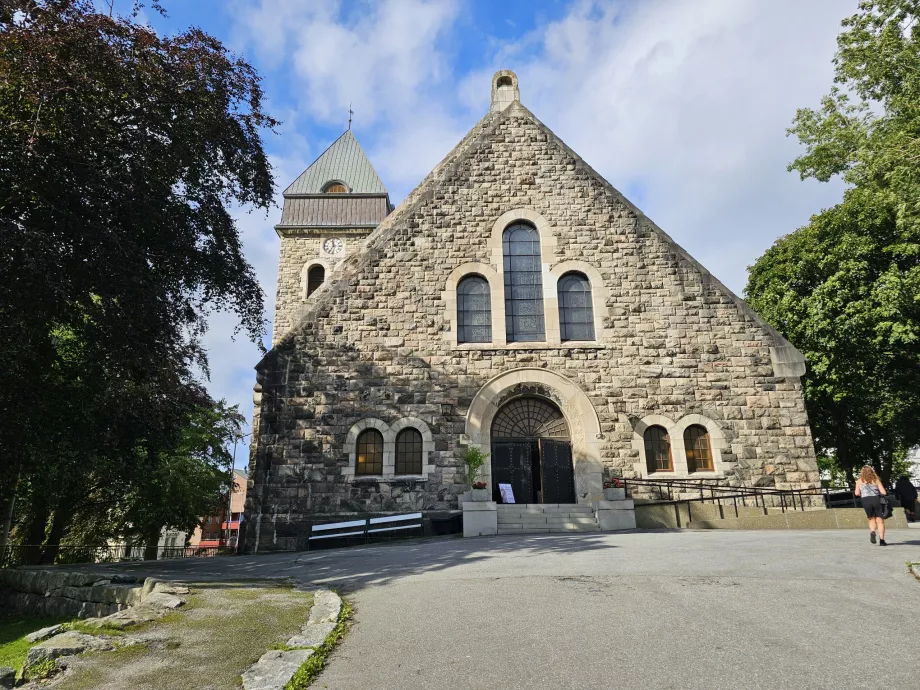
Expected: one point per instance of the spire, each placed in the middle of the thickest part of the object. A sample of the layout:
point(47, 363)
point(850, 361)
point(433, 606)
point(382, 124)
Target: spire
point(344, 161)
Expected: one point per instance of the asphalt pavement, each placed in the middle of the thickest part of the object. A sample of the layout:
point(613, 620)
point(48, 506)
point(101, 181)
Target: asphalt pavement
point(717, 609)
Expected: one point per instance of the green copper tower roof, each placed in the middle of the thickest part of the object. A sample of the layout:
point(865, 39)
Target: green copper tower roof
point(344, 161)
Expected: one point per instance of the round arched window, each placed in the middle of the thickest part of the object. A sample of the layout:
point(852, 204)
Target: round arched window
point(336, 188)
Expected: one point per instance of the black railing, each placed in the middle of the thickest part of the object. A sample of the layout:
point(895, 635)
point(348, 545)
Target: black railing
point(13, 556)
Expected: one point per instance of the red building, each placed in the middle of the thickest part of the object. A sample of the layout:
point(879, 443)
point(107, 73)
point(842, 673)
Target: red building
point(223, 529)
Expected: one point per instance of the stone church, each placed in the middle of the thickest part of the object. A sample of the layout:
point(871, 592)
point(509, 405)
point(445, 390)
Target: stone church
point(514, 301)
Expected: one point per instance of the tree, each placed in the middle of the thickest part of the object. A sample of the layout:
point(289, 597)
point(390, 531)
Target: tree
point(121, 154)
point(845, 289)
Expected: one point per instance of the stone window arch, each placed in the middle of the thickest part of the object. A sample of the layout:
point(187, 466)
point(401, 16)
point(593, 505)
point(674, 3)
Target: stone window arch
point(522, 269)
point(474, 310)
point(313, 267)
point(599, 292)
point(316, 276)
point(678, 439)
point(390, 434)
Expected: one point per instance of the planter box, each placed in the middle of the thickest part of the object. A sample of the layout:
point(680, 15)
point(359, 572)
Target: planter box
point(481, 495)
point(614, 494)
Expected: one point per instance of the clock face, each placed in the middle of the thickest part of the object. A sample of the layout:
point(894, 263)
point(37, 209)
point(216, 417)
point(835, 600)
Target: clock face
point(333, 246)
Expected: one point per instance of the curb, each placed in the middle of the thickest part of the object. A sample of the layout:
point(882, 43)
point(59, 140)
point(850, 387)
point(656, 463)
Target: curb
point(276, 668)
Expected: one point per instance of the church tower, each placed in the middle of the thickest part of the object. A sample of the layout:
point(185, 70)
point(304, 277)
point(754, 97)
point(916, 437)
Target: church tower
point(328, 211)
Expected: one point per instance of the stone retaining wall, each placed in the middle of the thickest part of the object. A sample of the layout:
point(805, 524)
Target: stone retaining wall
point(57, 593)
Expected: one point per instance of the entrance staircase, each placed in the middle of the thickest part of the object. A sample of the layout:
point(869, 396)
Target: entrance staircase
point(541, 518)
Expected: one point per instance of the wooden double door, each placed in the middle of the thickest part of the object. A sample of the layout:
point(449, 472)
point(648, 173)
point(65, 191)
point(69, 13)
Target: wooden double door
point(538, 470)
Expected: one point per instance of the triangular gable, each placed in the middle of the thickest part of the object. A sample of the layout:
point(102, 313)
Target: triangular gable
point(787, 360)
point(343, 161)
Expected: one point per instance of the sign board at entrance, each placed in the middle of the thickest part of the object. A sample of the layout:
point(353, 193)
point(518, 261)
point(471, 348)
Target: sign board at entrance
point(506, 492)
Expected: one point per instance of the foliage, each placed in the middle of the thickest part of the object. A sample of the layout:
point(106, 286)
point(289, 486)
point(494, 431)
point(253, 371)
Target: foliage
point(13, 630)
point(845, 289)
point(473, 459)
point(122, 154)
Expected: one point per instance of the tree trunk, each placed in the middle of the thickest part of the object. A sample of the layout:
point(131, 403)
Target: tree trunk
point(152, 540)
point(35, 532)
point(63, 514)
point(6, 518)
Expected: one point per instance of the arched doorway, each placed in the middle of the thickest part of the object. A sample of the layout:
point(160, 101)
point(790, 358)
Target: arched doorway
point(532, 451)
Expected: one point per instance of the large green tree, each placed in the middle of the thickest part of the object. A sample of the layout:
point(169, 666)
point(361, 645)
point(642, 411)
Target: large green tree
point(122, 153)
point(845, 289)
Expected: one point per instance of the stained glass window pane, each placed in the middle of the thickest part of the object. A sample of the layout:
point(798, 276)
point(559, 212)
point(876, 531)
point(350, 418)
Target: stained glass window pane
point(409, 452)
point(524, 320)
point(529, 418)
point(576, 315)
point(369, 458)
point(474, 311)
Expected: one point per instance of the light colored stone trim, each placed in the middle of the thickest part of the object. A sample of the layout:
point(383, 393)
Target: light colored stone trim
point(579, 413)
point(599, 292)
point(305, 272)
point(548, 246)
point(449, 295)
point(389, 433)
point(678, 451)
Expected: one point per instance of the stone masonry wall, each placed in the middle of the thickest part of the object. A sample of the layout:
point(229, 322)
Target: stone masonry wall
point(677, 343)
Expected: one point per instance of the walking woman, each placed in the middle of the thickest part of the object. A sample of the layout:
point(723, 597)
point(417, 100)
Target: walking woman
point(870, 488)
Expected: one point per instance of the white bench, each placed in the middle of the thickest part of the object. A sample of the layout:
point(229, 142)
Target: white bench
point(364, 529)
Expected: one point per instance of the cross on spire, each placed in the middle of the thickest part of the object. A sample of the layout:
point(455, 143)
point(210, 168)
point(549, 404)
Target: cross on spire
point(350, 114)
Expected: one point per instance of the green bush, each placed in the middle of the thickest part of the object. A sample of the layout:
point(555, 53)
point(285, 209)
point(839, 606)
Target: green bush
point(474, 459)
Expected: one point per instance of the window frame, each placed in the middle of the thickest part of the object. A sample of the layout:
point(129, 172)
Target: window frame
point(462, 298)
point(514, 305)
point(565, 309)
point(310, 272)
point(651, 452)
point(365, 469)
point(691, 450)
point(417, 448)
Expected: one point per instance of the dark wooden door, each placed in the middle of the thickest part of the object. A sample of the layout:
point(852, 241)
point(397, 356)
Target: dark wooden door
point(557, 471)
point(511, 465)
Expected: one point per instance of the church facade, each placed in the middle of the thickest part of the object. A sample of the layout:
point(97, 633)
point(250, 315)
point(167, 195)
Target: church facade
point(516, 302)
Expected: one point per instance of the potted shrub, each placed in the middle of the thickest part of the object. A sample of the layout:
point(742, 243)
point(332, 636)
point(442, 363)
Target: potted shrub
point(474, 459)
point(614, 489)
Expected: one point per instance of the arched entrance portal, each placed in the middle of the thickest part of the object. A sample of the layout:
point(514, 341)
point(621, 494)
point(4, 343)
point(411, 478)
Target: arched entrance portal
point(532, 451)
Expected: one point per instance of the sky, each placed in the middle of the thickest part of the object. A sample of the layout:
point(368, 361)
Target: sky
point(682, 105)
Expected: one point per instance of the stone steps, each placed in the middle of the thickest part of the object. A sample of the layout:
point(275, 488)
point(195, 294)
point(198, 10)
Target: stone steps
point(546, 518)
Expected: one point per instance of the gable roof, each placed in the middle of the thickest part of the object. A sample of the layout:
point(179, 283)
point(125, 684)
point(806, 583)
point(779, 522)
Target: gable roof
point(787, 360)
point(343, 161)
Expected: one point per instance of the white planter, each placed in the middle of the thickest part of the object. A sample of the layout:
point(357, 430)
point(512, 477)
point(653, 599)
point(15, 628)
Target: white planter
point(481, 495)
point(614, 494)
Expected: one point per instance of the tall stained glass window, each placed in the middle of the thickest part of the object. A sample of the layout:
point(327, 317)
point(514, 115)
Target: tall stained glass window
point(523, 284)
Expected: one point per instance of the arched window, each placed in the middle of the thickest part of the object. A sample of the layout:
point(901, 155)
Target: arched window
point(576, 315)
point(658, 450)
point(315, 277)
point(369, 458)
point(335, 188)
point(523, 284)
point(699, 449)
point(409, 452)
point(474, 311)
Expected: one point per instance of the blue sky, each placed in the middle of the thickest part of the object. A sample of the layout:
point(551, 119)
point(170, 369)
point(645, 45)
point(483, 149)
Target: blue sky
point(681, 104)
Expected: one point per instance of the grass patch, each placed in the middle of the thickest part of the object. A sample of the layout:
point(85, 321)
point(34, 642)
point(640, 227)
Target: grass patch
point(41, 670)
point(13, 630)
point(82, 627)
point(312, 667)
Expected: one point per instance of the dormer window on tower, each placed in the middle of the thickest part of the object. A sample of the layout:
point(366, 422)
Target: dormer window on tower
point(335, 187)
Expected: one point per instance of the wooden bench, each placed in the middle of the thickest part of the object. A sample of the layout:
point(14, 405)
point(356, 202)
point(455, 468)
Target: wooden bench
point(364, 530)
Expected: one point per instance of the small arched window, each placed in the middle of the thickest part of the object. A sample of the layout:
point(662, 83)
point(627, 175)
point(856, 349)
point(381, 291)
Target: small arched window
point(335, 188)
point(315, 277)
point(409, 452)
point(474, 311)
point(658, 450)
point(699, 449)
point(576, 314)
point(523, 284)
point(369, 458)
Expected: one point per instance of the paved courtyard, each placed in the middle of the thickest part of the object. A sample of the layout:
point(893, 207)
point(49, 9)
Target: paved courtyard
point(656, 609)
